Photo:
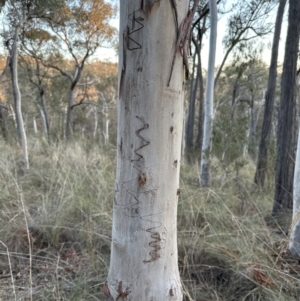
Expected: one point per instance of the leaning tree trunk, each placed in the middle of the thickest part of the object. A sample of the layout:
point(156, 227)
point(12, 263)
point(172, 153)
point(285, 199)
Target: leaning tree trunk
point(262, 159)
point(143, 264)
point(208, 112)
point(286, 141)
point(74, 82)
point(17, 97)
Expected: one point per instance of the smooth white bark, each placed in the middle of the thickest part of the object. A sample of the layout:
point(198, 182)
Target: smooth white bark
point(105, 130)
point(12, 112)
point(17, 96)
point(294, 243)
point(143, 264)
point(34, 125)
point(209, 97)
point(95, 123)
point(44, 121)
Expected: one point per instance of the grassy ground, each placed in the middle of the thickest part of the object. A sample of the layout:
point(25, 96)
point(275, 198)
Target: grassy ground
point(229, 249)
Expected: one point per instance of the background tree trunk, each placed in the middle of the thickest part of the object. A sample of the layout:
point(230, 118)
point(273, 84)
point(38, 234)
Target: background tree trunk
point(144, 258)
point(201, 105)
point(17, 97)
point(294, 243)
point(208, 113)
point(34, 125)
point(286, 141)
point(44, 112)
point(191, 112)
point(69, 130)
point(262, 159)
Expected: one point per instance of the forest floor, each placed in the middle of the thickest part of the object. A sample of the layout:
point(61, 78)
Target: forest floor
point(56, 218)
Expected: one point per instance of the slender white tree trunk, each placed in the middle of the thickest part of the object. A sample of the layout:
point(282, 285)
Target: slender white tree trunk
point(34, 125)
point(209, 98)
point(143, 264)
point(44, 121)
point(105, 130)
point(17, 97)
point(69, 129)
point(44, 114)
point(82, 131)
point(95, 123)
point(294, 243)
point(246, 144)
point(12, 112)
point(106, 133)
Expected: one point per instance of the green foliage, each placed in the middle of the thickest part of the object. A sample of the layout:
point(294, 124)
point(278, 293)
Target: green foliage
point(229, 137)
point(82, 26)
point(39, 35)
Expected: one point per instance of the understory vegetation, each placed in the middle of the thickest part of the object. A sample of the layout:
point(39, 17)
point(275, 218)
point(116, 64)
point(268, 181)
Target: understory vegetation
point(56, 219)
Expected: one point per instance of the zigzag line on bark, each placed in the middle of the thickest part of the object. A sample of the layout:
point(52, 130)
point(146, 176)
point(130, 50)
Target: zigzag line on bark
point(146, 142)
point(132, 17)
point(155, 244)
point(133, 209)
point(155, 235)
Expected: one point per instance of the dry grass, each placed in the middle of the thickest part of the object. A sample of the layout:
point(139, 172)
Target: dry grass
point(227, 250)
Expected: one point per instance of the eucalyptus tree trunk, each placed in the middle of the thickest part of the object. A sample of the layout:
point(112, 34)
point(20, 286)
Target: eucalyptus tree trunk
point(13, 64)
point(34, 125)
point(69, 130)
point(199, 139)
point(294, 243)
point(44, 111)
point(286, 140)
point(208, 111)
point(191, 111)
point(235, 95)
point(105, 130)
point(95, 123)
point(262, 159)
point(45, 122)
point(143, 264)
point(39, 85)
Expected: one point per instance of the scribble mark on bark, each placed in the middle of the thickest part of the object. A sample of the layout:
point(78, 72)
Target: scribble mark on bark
point(155, 244)
point(145, 141)
point(136, 25)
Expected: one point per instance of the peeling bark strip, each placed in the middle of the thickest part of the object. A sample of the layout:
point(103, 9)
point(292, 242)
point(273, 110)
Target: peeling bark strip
point(106, 290)
point(174, 7)
point(183, 38)
point(122, 294)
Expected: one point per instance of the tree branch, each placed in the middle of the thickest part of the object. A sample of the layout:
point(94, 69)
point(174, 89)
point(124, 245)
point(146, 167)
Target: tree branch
point(204, 13)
